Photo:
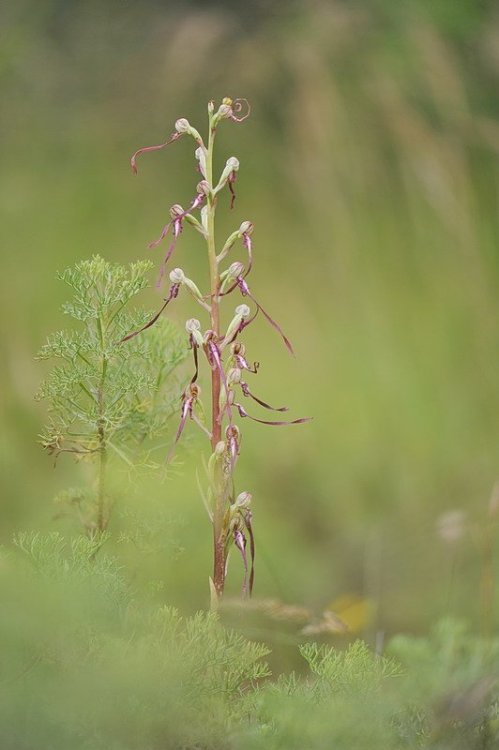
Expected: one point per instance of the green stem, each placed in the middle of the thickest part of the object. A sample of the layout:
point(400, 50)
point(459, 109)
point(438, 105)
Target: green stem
point(101, 435)
point(216, 421)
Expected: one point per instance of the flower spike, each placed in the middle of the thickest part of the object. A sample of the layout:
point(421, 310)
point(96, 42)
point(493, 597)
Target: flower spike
point(230, 513)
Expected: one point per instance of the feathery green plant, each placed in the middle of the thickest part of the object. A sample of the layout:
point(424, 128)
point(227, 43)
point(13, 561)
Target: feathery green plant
point(107, 396)
point(89, 663)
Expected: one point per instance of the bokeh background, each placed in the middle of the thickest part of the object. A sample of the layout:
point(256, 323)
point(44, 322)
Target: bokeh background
point(370, 169)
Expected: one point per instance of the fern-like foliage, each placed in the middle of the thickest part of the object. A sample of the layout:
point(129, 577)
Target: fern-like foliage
point(89, 664)
point(98, 380)
point(107, 396)
point(357, 669)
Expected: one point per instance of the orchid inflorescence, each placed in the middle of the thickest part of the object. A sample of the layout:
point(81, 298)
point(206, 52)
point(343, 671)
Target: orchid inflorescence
point(230, 515)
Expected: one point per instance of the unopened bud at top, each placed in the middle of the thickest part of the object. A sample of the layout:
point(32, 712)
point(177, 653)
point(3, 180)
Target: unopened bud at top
point(224, 111)
point(182, 125)
point(177, 276)
point(211, 107)
point(246, 228)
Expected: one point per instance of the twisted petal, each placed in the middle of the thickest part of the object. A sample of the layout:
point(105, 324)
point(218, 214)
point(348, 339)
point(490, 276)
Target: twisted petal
point(243, 413)
point(133, 160)
point(242, 363)
point(186, 412)
point(230, 182)
point(238, 106)
point(194, 348)
point(177, 228)
point(248, 517)
point(246, 391)
point(161, 237)
point(245, 291)
point(173, 293)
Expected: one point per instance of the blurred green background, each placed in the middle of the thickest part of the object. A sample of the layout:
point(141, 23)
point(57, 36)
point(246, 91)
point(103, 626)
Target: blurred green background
point(370, 169)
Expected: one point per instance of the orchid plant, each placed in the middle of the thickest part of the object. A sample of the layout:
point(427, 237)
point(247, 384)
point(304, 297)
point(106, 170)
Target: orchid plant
point(230, 512)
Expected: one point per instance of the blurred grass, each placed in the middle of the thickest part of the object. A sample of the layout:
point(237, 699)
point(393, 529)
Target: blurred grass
point(369, 167)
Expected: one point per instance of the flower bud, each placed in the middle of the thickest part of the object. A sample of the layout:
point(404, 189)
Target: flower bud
point(243, 500)
point(232, 164)
point(203, 188)
point(224, 111)
point(193, 327)
point(245, 228)
point(176, 211)
point(177, 276)
point(235, 269)
point(211, 107)
point(234, 376)
point(182, 125)
point(200, 155)
point(243, 311)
